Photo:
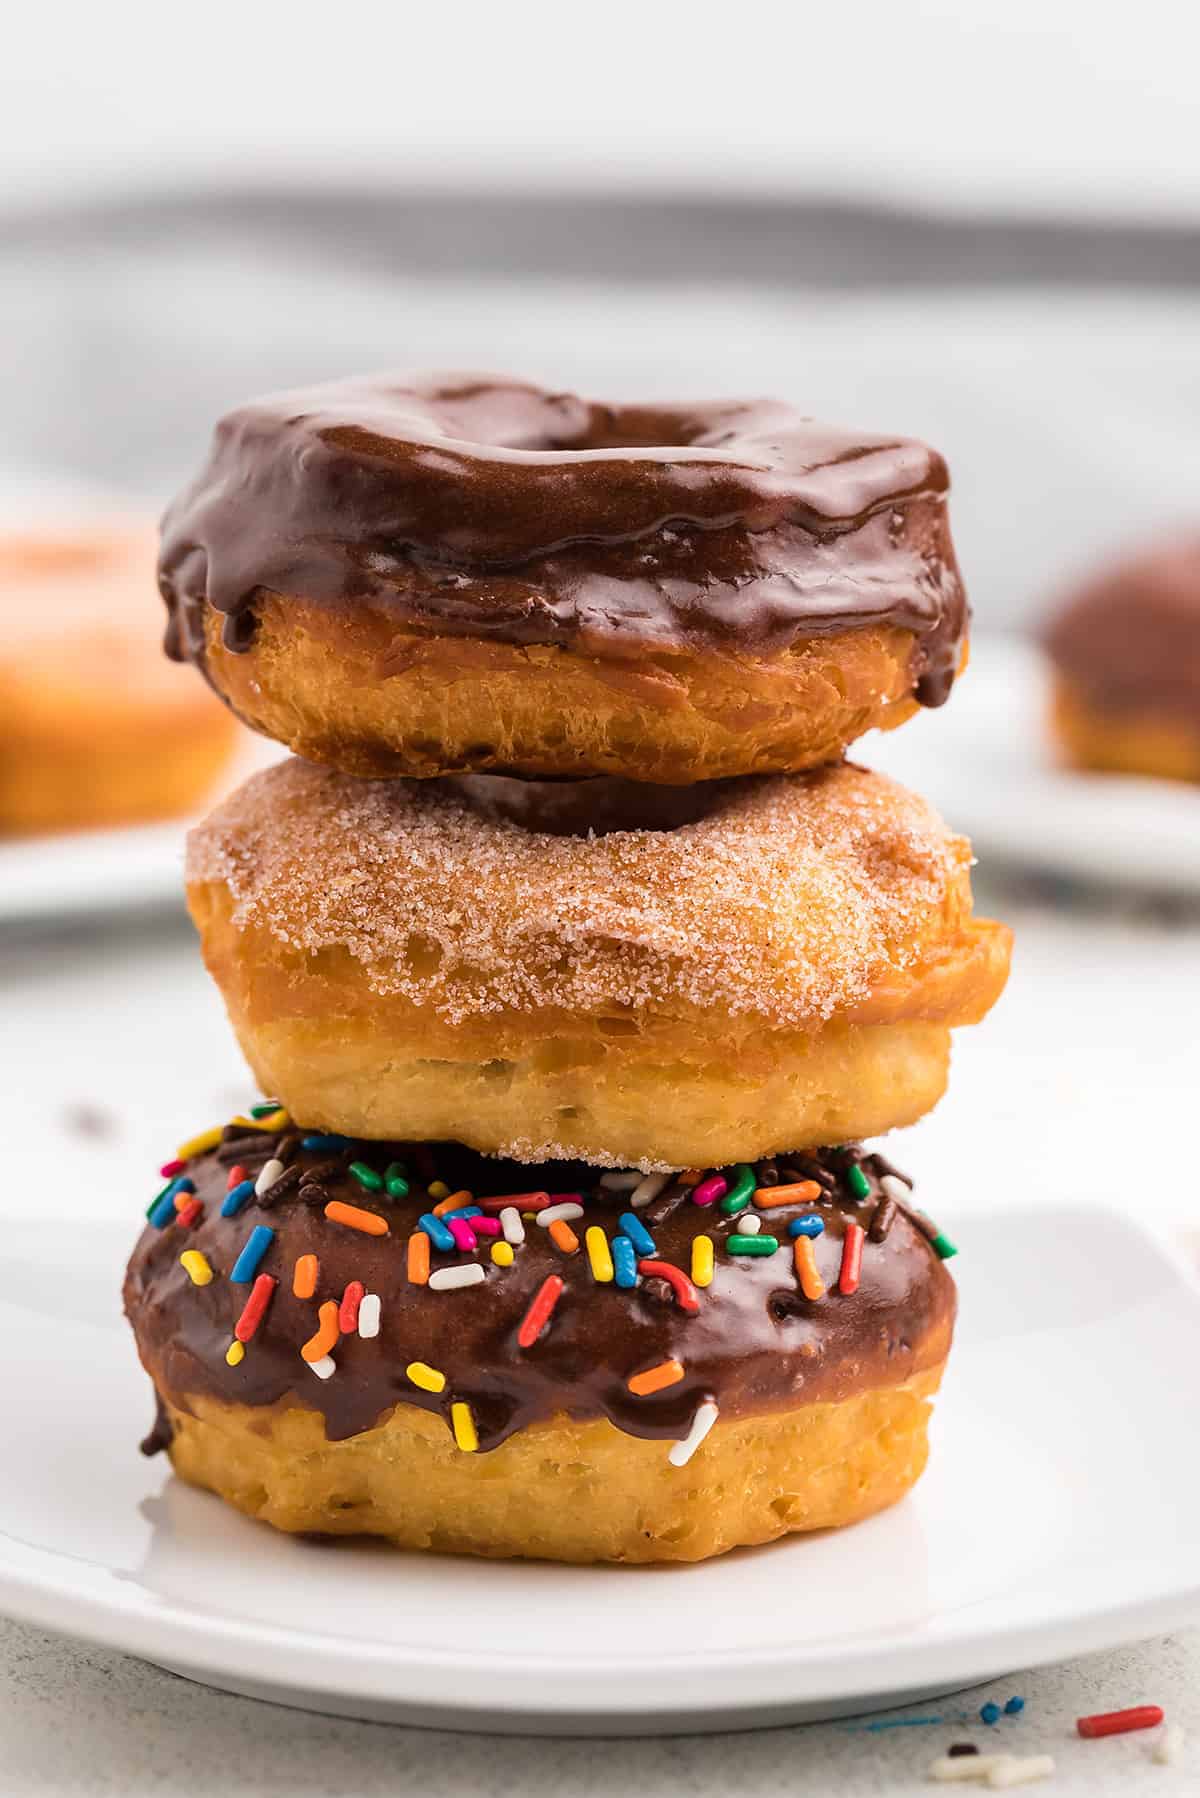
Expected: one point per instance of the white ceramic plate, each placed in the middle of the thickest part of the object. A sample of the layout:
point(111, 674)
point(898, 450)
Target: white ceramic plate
point(1058, 1516)
point(58, 879)
point(986, 761)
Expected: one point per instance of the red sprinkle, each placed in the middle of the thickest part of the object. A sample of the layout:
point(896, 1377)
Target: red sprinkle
point(169, 1169)
point(686, 1296)
point(236, 1176)
point(1118, 1723)
point(352, 1298)
point(540, 1311)
point(255, 1307)
point(852, 1249)
point(190, 1213)
point(524, 1201)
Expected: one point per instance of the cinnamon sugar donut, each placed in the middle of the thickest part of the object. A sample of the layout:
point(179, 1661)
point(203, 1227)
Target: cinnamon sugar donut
point(624, 975)
point(329, 1356)
point(466, 573)
point(1125, 650)
point(95, 728)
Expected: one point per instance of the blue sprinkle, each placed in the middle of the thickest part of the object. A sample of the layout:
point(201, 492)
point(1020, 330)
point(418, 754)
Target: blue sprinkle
point(990, 1713)
point(236, 1197)
point(808, 1225)
point(436, 1231)
point(624, 1261)
point(253, 1250)
point(463, 1211)
point(324, 1142)
point(163, 1210)
point(1014, 1707)
point(637, 1233)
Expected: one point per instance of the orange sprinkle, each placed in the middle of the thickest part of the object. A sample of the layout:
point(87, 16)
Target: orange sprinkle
point(667, 1373)
point(452, 1203)
point(418, 1258)
point(326, 1338)
point(355, 1218)
point(691, 1176)
point(304, 1276)
point(803, 1193)
point(811, 1284)
point(563, 1237)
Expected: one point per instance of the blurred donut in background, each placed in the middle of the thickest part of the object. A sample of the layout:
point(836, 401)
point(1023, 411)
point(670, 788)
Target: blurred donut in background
point(96, 726)
point(1125, 650)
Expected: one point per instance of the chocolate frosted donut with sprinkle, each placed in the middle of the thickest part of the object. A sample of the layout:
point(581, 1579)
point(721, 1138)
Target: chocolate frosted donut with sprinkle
point(405, 1340)
point(465, 573)
point(626, 975)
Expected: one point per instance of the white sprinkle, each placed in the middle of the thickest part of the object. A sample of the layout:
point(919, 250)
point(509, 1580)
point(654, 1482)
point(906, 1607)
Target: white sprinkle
point(682, 1452)
point(1168, 1750)
point(648, 1189)
point(324, 1367)
point(625, 1181)
point(512, 1225)
point(448, 1279)
point(749, 1223)
point(368, 1315)
point(1021, 1771)
point(893, 1187)
point(268, 1177)
point(956, 1767)
point(552, 1213)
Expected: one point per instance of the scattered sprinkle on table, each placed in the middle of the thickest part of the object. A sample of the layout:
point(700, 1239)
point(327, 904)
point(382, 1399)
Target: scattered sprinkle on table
point(1168, 1750)
point(1119, 1723)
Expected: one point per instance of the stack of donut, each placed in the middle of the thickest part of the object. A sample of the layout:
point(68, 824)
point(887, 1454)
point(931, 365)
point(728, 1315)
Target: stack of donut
point(577, 963)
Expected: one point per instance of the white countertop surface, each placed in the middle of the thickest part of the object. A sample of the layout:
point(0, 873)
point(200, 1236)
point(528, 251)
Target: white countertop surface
point(113, 1043)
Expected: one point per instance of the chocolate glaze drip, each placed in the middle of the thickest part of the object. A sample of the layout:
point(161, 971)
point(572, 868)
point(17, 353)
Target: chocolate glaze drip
point(1130, 638)
point(757, 1344)
point(483, 507)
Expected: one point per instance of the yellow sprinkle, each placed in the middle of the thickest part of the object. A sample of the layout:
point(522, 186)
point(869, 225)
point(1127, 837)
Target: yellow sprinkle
point(599, 1253)
point(199, 1145)
point(235, 1352)
point(502, 1254)
point(426, 1377)
point(702, 1260)
point(437, 1189)
point(274, 1120)
point(464, 1428)
point(196, 1266)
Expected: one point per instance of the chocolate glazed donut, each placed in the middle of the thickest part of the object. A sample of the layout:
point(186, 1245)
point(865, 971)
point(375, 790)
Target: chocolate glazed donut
point(465, 573)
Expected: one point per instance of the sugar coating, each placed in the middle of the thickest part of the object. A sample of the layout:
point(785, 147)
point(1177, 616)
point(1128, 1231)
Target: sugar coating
point(794, 898)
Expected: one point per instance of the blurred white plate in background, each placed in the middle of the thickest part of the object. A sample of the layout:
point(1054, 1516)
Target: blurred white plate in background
point(60, 879)
point(986, 761)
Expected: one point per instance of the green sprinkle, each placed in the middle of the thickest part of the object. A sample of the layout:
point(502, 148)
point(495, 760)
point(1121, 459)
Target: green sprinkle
point(394, 1181)
point(857, 1181)
point(265, 1109)
point(944, 1247)
point(741, 1191)
point(752, 1245)
point(161, 1195)
point(366, 1176)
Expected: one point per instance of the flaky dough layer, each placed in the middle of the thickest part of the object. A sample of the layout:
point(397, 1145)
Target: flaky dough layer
point(563, 1491)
